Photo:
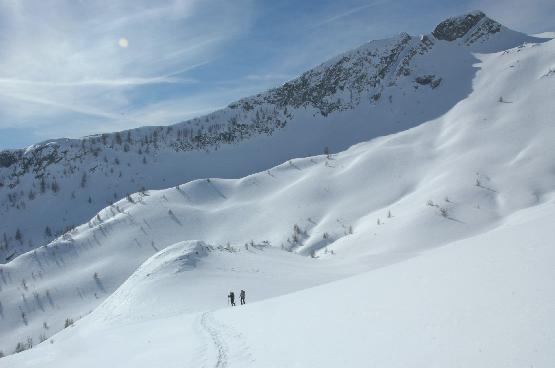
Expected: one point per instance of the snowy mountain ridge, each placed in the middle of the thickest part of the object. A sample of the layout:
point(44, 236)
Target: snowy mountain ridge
point(380, 88)
point(436, 238)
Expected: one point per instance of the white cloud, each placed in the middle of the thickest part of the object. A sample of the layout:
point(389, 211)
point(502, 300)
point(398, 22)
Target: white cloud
point(348, 12)
point(99, 82)
point(61, 60)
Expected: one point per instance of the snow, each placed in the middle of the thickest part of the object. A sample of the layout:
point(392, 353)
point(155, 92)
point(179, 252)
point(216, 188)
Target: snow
point(374, 90)
point(427, 247)
point(480, 302)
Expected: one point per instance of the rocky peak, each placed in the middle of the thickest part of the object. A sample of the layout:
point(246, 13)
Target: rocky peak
point(456, 27)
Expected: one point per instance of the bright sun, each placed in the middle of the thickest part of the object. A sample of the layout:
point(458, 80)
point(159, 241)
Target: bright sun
point(123, 42)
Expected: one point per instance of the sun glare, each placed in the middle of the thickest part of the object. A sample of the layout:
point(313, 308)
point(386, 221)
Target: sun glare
point(123, 42)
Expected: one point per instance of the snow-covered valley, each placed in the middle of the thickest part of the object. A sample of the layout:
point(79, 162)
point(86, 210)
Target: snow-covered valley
point(427, 247)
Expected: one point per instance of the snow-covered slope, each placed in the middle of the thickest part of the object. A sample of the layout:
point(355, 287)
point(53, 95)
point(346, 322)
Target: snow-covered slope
point(484, 170)
point(485, 301)
point(380, 88)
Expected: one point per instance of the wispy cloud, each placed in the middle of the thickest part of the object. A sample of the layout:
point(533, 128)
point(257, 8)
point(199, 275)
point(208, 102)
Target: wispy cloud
point(347, 13)
point(62, 71)
point(62, 61)
point(99, 82)
point(57, 105)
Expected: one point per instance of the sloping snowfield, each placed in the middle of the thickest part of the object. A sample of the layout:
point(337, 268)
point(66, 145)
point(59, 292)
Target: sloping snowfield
point(481, 302)
point(427, 248)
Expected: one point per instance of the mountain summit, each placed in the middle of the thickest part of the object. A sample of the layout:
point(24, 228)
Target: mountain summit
point(379, 88)
point(429, 242)
point(457, 27)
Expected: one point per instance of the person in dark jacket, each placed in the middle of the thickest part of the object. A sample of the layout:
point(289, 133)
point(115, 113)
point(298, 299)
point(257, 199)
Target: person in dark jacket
point(242, 295)
point(231, 297)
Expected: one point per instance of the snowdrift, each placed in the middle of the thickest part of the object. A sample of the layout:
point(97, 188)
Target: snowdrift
point(481, 302)
point(439, 237)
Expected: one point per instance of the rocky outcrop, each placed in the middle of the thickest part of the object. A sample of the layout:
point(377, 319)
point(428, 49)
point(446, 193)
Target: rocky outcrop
point(486, 27)
point(430, 80)
point(456, 27)
point(8, 158)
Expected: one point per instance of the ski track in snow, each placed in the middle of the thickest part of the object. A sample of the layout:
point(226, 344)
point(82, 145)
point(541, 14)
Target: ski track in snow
point(222, 336)
point(207, 323)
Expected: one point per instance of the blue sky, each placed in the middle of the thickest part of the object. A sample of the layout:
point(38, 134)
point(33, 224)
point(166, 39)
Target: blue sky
point(77, 67)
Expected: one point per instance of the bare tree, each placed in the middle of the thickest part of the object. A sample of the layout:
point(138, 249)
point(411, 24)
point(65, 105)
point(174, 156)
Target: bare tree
point(84, 180)
point(68, 322)
point(55, 187)
point(19, 236)
point(48, 232)
point(327, 152)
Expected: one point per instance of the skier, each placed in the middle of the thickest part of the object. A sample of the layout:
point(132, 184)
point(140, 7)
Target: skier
point(231, 297)
point(242, 295)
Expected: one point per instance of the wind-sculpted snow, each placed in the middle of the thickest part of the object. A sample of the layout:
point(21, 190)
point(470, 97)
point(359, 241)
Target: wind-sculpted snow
point(302, 223)
point(482, 301)
point(380, 88)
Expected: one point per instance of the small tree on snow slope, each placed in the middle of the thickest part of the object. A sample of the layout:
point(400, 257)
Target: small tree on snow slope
point(19, 236)
point(68, 322)
point(21, 346)
point(42, 185)
point(443, 211)
point(55, 187)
